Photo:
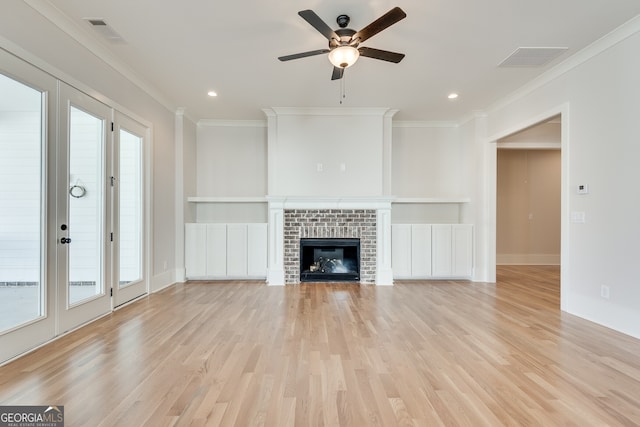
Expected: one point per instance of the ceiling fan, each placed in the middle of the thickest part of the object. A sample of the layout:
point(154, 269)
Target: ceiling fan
point(344, 43)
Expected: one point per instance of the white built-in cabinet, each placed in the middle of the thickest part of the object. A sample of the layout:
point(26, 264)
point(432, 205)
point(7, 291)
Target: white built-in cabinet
point(225, 250)
point(432, 251)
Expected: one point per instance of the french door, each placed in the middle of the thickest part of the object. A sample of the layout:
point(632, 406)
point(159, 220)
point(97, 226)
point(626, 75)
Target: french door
point(82, 213)
point(73, 203)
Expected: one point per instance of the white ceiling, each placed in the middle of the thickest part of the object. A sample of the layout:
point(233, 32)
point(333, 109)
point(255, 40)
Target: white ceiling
point(184, 49)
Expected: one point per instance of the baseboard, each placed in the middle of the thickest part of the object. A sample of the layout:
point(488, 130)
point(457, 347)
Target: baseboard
point(528, 259)
point(163, 280)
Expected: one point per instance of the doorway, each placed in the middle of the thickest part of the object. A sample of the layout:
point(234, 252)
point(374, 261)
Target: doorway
point(528, 196)
point(558, 117)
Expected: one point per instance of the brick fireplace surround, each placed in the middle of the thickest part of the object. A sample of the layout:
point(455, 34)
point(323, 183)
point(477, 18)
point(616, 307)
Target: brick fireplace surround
point(293, 218)
point(331, 223)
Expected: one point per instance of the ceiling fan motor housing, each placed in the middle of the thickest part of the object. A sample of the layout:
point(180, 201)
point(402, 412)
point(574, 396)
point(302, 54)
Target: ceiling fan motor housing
point(345, 38)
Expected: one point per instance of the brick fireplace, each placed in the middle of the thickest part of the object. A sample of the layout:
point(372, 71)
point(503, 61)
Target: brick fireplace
point(332, 224)
point(295, 218)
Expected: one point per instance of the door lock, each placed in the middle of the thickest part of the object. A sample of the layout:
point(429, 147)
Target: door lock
point(65, 240)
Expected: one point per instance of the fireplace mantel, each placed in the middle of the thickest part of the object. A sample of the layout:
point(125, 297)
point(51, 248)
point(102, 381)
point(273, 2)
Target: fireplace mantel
point(341, 202)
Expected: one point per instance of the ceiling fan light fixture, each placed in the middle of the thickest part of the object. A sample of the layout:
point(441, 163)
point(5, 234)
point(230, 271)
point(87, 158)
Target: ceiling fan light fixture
point(344, 56)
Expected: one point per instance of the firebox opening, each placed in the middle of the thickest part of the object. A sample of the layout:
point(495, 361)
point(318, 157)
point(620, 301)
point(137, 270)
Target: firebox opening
point(329, 260)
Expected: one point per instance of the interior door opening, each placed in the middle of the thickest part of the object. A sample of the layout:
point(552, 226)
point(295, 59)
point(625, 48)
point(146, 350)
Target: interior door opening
point(529, 195)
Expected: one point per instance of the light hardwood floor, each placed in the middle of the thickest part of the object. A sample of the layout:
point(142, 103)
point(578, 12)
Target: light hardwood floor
point(440, 353)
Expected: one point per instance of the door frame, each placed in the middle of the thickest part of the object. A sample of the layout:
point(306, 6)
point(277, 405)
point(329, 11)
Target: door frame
point(491, 151)
point(122, 296)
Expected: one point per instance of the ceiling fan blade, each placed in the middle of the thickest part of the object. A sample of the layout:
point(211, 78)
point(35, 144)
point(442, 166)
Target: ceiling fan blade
point(303, 54)
point(386, 20)
point(316, 22)
point(337, 73)
point(383, 55)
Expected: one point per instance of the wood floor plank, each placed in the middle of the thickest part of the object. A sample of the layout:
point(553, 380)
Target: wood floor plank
point(427, 353)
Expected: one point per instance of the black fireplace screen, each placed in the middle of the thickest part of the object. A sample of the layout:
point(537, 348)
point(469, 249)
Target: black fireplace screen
point(329, 260)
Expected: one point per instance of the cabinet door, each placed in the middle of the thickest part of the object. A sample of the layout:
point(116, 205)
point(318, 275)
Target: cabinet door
point(441, 250)
point(216, 249)
point(462, 236)
point(195, 250)
point(257, 250)
point(420, 250)
point(237, 250)
point(401, 250)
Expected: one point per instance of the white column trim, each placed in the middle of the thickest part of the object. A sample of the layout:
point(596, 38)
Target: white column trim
point(384, 273)
point(275, 268)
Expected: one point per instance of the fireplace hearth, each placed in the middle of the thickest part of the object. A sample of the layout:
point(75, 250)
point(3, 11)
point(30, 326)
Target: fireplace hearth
point(330, 259)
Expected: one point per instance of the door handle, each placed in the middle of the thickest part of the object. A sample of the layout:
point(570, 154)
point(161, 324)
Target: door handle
point(65, 240)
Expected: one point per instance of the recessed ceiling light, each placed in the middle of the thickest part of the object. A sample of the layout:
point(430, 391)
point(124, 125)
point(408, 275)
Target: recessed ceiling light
point(212, 93)
point(452, 96)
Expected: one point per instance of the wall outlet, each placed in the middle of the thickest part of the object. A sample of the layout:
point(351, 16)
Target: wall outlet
point(604, 291)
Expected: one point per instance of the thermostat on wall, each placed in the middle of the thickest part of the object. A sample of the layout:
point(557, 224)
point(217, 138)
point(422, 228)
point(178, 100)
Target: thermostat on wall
point(583, 189)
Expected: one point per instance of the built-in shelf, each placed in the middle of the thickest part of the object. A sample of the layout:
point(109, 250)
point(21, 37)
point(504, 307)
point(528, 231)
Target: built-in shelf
point(426, 200)
point(253, 199)
point(264, 199)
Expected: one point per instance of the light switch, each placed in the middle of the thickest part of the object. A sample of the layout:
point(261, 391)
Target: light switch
point(583, 189)
point(319, 167)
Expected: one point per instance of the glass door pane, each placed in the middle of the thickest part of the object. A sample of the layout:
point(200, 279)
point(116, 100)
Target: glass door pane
point(21, 204)
point(85, 206)
point(130, 206)
point(129, 277)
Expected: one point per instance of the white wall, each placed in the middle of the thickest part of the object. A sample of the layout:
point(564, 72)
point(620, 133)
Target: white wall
point(599, 99)
point(426, 161)
point(231, 160)
point(328, 154)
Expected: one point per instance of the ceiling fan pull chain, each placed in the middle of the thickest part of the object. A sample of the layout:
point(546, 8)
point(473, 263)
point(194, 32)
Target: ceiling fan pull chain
point(343, 90)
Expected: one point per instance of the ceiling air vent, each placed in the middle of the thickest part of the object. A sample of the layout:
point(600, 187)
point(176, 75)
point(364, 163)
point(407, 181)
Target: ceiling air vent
point(101, 27)
point(532, 56)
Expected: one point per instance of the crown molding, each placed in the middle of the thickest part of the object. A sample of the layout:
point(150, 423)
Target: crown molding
point(607, 41)
point(328, 111)
point(424, 124)
point(49, 11)
point(232, 123)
